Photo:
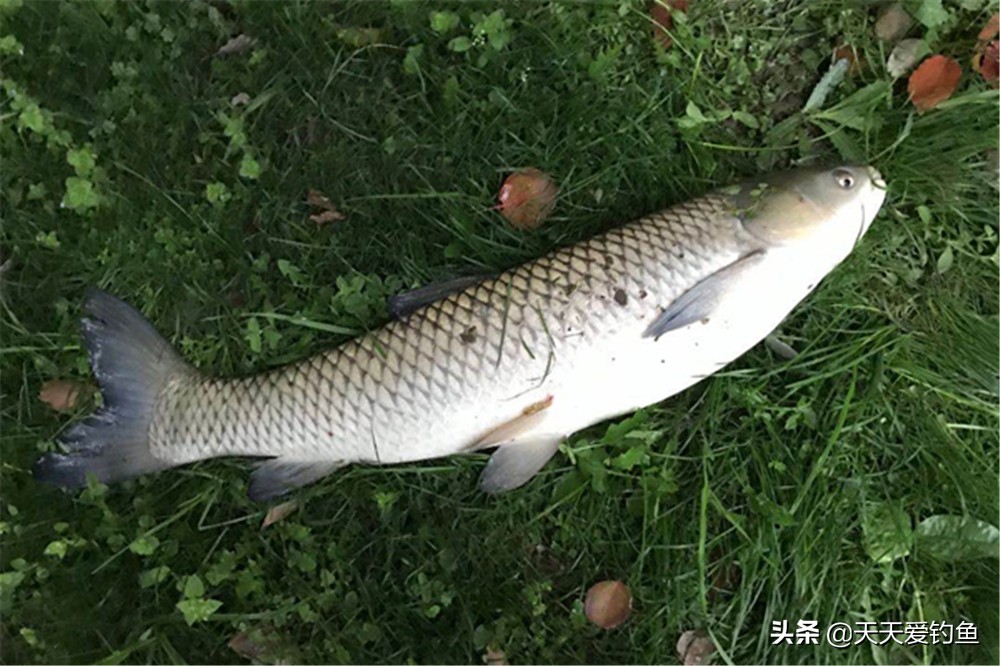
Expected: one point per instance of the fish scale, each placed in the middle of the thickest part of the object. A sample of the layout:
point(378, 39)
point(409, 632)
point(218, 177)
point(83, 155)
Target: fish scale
point(407, 376)
point(516, 362)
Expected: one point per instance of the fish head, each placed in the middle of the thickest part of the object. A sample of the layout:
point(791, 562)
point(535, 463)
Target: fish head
point(831, 207)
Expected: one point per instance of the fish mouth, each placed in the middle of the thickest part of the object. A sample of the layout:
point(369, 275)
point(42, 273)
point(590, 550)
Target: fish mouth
point(871, 203)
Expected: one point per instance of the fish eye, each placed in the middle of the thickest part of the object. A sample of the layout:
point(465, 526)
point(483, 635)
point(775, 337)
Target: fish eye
point(844, 178)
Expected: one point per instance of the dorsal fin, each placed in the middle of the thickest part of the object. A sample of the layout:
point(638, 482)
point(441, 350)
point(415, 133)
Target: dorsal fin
point(407, 302)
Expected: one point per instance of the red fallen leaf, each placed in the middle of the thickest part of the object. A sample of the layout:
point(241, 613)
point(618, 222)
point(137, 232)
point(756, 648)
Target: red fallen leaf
point(988, 63)
point(526, 198)
point(991, 29)
point(608, 603)
point(63, 395)
point(660, 12)
point(933, 82)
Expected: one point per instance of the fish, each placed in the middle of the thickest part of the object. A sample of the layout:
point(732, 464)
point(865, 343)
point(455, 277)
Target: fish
point(514, 362)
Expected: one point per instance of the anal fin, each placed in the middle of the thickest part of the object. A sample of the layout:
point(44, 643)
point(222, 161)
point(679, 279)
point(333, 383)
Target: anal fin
point(513, 465)
point(280, 475)
point(524, 448)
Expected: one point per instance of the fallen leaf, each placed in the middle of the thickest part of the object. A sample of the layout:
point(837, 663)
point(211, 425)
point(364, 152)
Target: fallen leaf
point(988, 63)
point(326, 217)
point(848, 53)
point(893, 22)
point(906, 54)
point(495, 656)
point(246, 647)
point(237, 44)
point(63, 395)
point(319, 200)
point(781, 349)
point(991, 29)
point(260, 645)
point(695, 647)
point(608, 603)
point(933, 82)
point(278, 512)
point(240, 99)
point(527, 198)
point(329, 212)
point(661, 13)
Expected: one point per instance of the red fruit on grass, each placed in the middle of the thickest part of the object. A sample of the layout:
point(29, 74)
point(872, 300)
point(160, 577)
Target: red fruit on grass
point(527, 198)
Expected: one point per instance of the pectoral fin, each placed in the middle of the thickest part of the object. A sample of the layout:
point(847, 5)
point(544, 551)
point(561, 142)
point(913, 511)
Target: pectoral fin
point(701, 300)
point(407, 302)
point(514, 464)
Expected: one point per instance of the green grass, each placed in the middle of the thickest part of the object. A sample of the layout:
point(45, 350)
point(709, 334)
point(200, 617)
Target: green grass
point(775, 476)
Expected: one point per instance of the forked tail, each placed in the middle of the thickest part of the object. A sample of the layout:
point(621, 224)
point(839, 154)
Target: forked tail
point(132, 364)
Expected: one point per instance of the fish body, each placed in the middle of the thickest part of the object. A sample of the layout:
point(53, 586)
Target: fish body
point(518, 361)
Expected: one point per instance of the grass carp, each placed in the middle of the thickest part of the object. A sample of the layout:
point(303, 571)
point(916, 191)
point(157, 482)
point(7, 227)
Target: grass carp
point(517, 362)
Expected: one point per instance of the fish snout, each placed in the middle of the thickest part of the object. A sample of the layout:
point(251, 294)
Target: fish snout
point(876, 178)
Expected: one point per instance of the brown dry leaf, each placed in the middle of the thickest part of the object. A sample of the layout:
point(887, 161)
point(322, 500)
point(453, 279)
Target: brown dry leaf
point(246, 647)
point(694, 648)
point(893, 22)
point(237, 44)
point(660, 12)
point(329, 212)
point(63, 395)
point(495, 656)
point(608, 603)
point(934, 81)
point(991, 29)
point(260, 645)
point(279, 512)
point(319, 200)
point(850, 54)
point(326, 217)
point(527, 198)
point(988, 63)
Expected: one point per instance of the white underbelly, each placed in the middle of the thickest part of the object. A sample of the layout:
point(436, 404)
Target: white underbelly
point(623, 372)
point(629, 371)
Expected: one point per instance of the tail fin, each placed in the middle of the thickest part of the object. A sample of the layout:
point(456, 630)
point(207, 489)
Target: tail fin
point(132, 364)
